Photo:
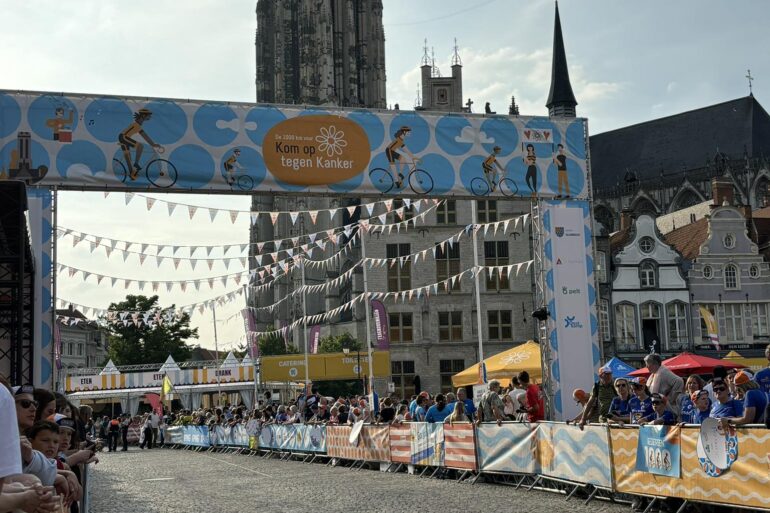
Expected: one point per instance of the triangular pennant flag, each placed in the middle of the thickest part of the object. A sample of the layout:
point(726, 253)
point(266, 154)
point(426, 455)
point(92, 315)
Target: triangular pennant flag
point(234, 215)
point(274, 217)
point(171, 206)
point(126, 283)
point(169, 285)
point(193, 262)
point(183, 286)
point(370, 208)
point(142, 256)
point(213, 214)
point(388, 205)
point(313, 216)
point(293, 216)
point(150, 202)
point(211, 283)
point(197, 285)
point(417, 205)
point(176, 262)
point(129, 197)
point(106, 193)
point(211, 263)
point(382, 218)
point(155, 286)
point(191, 210)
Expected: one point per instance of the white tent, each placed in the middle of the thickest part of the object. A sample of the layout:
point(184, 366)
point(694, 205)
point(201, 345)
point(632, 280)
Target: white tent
point(169, 365)
point(230, 361)
point(247, 361)
point(109, 369)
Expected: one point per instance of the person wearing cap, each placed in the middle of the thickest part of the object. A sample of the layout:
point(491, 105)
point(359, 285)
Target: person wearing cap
point(663, 381)
point(754, 402)
point(725, 406)
point(67, 429)
point(763, 377)
point(601, 397)
point(660, 416)
point(701, 401)
point(581, 397)
point(640, 405)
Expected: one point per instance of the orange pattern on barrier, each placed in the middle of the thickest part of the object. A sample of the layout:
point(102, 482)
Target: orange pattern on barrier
point(400, 443)
point(460, 446)
point(373, 443)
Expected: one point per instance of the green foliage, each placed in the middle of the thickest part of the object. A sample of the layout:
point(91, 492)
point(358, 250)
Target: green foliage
point(335, 344)
point(131, 344)
point(273, 344)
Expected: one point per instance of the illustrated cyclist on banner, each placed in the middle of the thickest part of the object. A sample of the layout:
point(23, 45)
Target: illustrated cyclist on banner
point(231, 164)
point(560, 160)
point(491, 166)
point(394, 157)
point(127, 141)
point(530, 160)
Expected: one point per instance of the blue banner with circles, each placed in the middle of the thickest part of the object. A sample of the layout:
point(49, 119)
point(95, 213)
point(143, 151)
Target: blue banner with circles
point(101, 142)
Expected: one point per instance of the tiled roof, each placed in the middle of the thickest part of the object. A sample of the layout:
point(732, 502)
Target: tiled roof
point(686, 140)
point(619, 239)
point(688, 239)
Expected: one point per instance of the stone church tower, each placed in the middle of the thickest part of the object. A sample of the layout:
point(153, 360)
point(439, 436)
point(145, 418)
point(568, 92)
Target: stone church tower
point(314, 52)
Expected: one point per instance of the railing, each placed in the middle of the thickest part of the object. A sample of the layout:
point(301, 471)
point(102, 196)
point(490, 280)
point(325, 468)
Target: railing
point(602, 460)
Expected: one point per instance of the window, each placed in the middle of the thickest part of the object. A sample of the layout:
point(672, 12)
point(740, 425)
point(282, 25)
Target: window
point(80, 349)
point(487, 211)
point(447, 369)
point(677, 325)
point(400, 271)
point(759, 318)
point(650, 310)
point(496, 253)
point(731, 277)
point(647, 245)
point(499, 323)
point(69, 349)
point(446, 213)
point(625, 326)
point(754, 271)
point(647, 275)
point(400, 328)
point(402, 374)
point(442, 96)
point(708, 272)
point(448, 264)
point(734, 322)
point(704, 331)
point(600, 268)
point(450, 328)
point(604, 320)
point(729, 241)
point(407, 212)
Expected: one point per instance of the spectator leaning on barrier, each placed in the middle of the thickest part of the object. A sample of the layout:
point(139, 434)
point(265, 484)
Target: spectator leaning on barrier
point(439, 411)
point(661, 415)
point(491, 406)
point(458, 414)
point(462, 396)
point(701, 401)
point(725, 405)
point(663, 381)
point(601, 397)
point(620, 409)
point(641, 404)
point(763, 377)
point(754, 402)
point(581, 399)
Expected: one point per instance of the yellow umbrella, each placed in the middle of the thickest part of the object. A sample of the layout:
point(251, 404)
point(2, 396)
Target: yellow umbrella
point(524, 357)
point(733, 355)
point(754, 364)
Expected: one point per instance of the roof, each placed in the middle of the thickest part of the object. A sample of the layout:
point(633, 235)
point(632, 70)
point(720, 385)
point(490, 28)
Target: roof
point(683, 141)
point(561, 89)
point(688, 239)
point(619, 239)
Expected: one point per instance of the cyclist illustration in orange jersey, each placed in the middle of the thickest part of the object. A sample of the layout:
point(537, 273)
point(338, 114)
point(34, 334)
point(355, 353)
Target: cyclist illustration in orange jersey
point(489, 165)
point(231, 164)
point(126, 140)
point(394, 157)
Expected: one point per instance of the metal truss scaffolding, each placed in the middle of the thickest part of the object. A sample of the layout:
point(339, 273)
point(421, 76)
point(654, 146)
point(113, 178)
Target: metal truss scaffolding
point(16, 285)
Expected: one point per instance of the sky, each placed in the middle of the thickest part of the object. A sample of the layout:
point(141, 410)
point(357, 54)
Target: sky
point(629, 62)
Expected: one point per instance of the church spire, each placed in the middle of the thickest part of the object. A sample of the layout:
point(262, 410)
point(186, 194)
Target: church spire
point(561, 99)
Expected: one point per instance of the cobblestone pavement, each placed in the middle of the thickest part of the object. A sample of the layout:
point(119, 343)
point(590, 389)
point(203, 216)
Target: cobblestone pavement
point(169, 481)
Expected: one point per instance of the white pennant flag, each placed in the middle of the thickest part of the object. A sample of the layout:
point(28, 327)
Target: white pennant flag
point(197, 285)
point(274, 217)
point(192, 210)
point(155, 286)
point(158, 260)
point(171, 206)
point(93, 246)
point(370, 208)
point(143, 248)
point(234, 215)
point(213, 214)
point(382, 218)
point(125, 256)
point(254, 218)
point(142, 256)
point(129, 197)
point(211, 283)
point(313, 216)
point(106, 193)
point(150, 202)
point(211, 263)
point(293, 216)
point(126, 283)
point(388, 205)
point(417, 205)
point(176, 262)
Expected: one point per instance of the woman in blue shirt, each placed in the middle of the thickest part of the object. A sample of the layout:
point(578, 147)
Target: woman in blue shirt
point(619, 409)
point(640, 405)
point(686, 403)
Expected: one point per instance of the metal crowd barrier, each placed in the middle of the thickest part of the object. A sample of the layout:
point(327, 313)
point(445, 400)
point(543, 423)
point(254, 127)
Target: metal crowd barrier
point(599, 460)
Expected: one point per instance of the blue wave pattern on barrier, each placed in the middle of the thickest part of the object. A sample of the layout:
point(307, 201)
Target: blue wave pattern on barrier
point(507, 448)
point(581, 456)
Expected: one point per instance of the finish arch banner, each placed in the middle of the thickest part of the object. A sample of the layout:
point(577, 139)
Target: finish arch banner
point(106, 142)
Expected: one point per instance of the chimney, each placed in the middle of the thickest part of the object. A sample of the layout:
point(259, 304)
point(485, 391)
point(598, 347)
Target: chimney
point(626, 218)
point(721, 192)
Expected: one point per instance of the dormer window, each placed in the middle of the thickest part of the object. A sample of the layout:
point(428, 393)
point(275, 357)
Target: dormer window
point(729, 241)
point(646, 245)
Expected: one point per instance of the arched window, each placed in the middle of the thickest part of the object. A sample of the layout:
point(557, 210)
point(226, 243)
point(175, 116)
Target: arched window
point(731, 277)
point(647, 275)
point(625, 326)
point(676, 312)
point(601, 266)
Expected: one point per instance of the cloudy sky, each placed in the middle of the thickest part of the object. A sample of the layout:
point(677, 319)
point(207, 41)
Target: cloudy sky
point(629, 62)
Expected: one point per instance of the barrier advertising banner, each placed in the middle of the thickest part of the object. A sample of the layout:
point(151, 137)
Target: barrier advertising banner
point(293, 437)
point(568, 453)
point(400, 443)
point(460, 446)
point(174, 435)
point(510, 448)
point(571, 298)
point(717, 448)
point(746, 482)
point(197, 436)
point(97, 142)
point(373, 443)
point(427, 444)
point(658, 450)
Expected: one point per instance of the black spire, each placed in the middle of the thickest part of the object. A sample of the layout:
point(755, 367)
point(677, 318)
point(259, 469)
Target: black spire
point(561, 99)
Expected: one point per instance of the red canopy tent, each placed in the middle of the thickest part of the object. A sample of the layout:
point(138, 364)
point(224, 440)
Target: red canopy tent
point(687, 363)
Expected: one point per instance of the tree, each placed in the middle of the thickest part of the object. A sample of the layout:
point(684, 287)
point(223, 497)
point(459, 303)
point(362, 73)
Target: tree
point(336, 344)
point(274, 344)
point(131, 344)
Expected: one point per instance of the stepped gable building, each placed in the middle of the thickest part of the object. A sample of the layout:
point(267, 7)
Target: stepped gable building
point(664, 165)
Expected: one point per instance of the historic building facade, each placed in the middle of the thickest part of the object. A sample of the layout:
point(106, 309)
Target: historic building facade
point(83, 344)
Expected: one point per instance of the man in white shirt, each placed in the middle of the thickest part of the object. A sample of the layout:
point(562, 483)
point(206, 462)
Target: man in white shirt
point(154, 423)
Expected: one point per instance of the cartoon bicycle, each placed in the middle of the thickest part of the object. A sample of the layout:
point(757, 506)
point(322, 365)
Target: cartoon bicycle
point(160, 172)
point(486, 185)
point(418, 179)
point(242, 181)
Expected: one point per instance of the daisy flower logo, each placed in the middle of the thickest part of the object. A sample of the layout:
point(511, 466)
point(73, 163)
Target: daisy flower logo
point(515, 358)
point(331, 141)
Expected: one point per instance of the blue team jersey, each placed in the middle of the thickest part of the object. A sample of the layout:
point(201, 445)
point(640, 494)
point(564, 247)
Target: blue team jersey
point(419, 414)
point(639, 409)
point(756, 399)
point(620, 407)
point(412, 407)
point(470, 408)
point(686, 409)
point(732, 408)
point(699, 416)
point(669, 419)
point(763, 379)
point(436, 415)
